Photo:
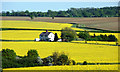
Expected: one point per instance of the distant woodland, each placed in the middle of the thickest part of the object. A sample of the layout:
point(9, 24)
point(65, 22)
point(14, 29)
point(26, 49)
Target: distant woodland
point(72, 12)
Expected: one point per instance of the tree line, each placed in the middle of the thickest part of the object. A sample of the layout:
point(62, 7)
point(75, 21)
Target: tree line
point(72, 12)
point(11, 60)
point(68, 34)
point(86, 36)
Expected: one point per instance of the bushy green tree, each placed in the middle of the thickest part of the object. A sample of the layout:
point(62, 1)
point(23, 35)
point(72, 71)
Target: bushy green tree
point(48, 61)
point(8, 54)
point(7, 63)
point(55, 57)
point(85, 63)
point(29, 62)
point(112, 38)
point(63, 59)
point(32, 53)
point(104, 37)
point(85, 35)
point(98, 38)
point(9, 59)
point(68, 34)
point(31, 17)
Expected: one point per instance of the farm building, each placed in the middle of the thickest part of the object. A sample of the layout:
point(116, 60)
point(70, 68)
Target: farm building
point(47, 36)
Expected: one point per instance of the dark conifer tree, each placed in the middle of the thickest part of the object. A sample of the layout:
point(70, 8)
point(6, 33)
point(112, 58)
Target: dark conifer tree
point(56, 37)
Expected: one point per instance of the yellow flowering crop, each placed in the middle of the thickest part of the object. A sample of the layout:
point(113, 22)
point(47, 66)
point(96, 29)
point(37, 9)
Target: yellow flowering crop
point(34, 25)
point(23, 34)
point(77, 51)
point(75, 67)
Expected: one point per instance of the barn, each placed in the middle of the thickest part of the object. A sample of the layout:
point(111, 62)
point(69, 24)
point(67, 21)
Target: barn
point(47, 36)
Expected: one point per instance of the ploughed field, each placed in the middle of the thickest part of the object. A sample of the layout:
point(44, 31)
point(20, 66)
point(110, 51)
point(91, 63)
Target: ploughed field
point(78, 51)
point(106, 23)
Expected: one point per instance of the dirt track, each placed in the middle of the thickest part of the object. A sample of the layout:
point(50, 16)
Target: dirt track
point(107, 23)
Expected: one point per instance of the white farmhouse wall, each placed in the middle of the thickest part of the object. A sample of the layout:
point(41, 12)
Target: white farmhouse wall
point(51, 36)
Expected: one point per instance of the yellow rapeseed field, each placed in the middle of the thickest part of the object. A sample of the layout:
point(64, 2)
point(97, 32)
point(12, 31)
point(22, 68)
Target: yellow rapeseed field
point(34, 25)
point(97, 42)
point(74, 67)
point(23, 34)
point(77, 51)
point(31, 35)
point(78, 29)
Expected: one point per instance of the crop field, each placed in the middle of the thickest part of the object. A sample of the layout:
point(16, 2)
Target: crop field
point(78, 51)
point(77, 67)
point(34, 25)
point(96, 42)
point(23, 34)
point(110, 23)
point(32, 34)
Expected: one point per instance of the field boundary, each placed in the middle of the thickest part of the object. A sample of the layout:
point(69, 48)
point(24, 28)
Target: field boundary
point(3, 40)
point(104, 31)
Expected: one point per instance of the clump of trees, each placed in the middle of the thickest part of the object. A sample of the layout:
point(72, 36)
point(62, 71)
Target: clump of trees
point(103, 38)
point(8, 54)
point(85, 35)
point(72, 12)
point(32, 53)
point(11, 60)
point(68, 34)
point(62, 59)
point(31, 17)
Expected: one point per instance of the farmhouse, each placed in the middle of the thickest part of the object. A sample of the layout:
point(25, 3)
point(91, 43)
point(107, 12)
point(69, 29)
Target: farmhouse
point(47, 36)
